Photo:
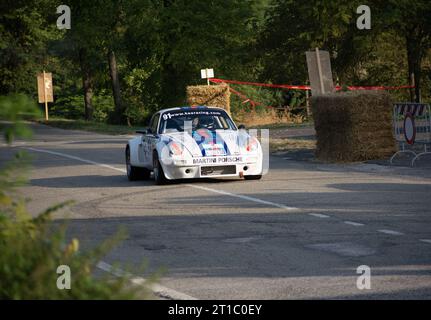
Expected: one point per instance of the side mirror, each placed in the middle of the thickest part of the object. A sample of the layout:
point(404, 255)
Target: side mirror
point(143, 131)
point(241, 127)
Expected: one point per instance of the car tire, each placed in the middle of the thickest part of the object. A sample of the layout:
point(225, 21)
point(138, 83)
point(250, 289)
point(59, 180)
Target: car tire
point(135, 173)
point(254, 177)
point(159, 175)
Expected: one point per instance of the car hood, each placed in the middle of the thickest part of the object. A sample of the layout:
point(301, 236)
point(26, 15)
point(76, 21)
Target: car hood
point(203, 143)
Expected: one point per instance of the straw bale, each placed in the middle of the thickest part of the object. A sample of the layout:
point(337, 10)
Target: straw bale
point(353, 126)
point(212, 96)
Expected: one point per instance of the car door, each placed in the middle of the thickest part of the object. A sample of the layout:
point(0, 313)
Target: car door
point(149, 140)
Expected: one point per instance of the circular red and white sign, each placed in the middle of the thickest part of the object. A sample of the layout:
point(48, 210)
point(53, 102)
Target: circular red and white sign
point(409, 128)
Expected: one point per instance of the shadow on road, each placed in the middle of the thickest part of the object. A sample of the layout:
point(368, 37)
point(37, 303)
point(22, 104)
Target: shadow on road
point(270, 247)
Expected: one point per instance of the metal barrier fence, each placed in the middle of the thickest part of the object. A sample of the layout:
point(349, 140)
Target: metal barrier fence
point(412, 125)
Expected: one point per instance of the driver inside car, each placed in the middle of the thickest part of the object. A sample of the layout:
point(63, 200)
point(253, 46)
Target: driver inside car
point(203, 123)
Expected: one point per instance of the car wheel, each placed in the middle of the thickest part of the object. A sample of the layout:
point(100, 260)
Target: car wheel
point(135, 173)
point(256, 177)
point(159, 175)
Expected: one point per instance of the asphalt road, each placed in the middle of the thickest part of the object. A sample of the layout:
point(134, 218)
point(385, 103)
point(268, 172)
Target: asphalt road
point(300, 232)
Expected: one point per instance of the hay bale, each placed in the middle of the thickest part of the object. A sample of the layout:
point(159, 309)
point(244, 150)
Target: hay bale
point(353, 126)
point(212, 96)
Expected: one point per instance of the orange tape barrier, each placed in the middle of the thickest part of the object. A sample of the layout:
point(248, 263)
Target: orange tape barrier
point(306, 87)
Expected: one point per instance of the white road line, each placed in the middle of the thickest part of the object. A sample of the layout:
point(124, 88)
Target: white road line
point(159, 290)
point(253, 199)
point(352, 223)
point(170, 293)
point(64, 155)
point(391, 232)
point(273, 204)
point(240, 196)
point(319, 215)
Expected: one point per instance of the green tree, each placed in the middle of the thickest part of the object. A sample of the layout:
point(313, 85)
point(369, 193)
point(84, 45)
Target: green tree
point(199, 34)
point(26, 27)
point(400, 30)
point(79, 46)
point(294, 27)
point(411, 21)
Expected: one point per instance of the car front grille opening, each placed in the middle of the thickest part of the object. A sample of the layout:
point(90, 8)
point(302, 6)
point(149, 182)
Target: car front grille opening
point(218, 170)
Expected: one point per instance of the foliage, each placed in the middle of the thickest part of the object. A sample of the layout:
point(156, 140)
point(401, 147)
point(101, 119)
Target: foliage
point(262, 96)
point(161, 45)
point(72, 106)
point(93, 126)
point(13, 109)
point(25, 29)
point(32, 248)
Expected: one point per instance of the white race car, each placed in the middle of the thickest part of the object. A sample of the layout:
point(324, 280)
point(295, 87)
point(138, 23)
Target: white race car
point(193, 142)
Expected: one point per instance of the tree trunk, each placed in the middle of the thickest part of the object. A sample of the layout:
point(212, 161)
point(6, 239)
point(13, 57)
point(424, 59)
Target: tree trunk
point(118, 116)
point(88, 95)
point(414, 59)
point(87, 84)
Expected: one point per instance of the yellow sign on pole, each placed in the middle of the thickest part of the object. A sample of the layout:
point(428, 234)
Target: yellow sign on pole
point(44, 90)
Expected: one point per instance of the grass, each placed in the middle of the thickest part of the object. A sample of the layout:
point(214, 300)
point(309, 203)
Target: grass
point(286, 144)
point(90, 126)
point(283, 125)
point(101, 127)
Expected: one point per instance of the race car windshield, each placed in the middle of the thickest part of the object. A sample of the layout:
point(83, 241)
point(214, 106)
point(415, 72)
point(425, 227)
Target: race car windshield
point(178, 121)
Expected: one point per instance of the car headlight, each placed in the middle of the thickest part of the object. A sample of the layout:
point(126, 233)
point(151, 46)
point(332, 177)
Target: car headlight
point(175, 149)
point(177, 153)
point(252, 145)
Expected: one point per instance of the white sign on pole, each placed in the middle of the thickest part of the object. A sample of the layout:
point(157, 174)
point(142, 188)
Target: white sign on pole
point(207, 73)
point(203, 73)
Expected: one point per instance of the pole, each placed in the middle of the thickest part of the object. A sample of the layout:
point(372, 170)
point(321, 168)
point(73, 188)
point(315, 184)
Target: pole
point(319, 68)
point(307, 102)
point(44, 97)
point(412, 90)
point(208, 79)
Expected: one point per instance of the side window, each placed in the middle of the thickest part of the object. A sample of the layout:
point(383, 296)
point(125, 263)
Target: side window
point(154, 123)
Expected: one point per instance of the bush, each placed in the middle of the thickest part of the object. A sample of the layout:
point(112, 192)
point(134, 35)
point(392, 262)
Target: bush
point(289, 105)
point(32, 248)
point(103, 104)
point(138, 94)
point(265, 97)
point(72, 106)
point(13, 109)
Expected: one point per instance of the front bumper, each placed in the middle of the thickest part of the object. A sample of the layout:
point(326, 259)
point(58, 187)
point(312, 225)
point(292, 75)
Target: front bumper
point(213, 167)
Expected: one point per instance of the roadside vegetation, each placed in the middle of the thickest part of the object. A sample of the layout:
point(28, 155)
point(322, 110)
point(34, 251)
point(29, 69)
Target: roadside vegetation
point(291, 144)
point(91, 126)
point(33, 247)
